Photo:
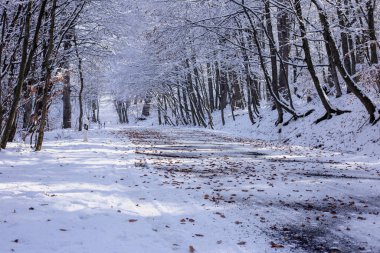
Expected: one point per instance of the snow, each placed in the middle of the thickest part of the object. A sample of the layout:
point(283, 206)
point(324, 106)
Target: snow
point(154, 189)
point(107, 111)
point(344, 133)
point(149, 188)
point(58, 201)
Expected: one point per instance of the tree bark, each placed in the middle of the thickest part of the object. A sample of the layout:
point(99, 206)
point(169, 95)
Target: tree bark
point(210, 87)
point(47, 65)
point(21, 76)
point(308, 59)
point(372, 31)
point(67, 82)
point(81, 81)
point(147, 105)
point(283, 28)
point(273, 58)
point(366, 101)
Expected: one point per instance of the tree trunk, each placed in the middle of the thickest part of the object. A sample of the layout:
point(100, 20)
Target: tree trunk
point(186, 105)
point(283, 28)
point(81, 81)
point(47, 65)
point(20, 80)
point(367, 103)
point(344, 36)
point(147, 105)
point(210, 87)
point(333, 73)
point(268, 81)
point(273, 58)
point(308, 59)
point(159, 111)
point(67, 82)
point(372, 31)
point(66, 100)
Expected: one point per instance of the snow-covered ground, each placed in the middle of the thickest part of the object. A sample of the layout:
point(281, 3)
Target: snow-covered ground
point(107, 110)
point(156, 189)
point(349, 133)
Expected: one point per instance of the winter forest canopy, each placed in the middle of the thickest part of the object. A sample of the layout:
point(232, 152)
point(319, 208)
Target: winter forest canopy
point(188, 58)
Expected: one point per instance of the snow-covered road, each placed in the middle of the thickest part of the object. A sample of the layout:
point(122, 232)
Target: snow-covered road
point(185, 190)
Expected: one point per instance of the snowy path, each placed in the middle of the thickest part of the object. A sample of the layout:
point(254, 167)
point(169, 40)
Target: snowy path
point(180, 190)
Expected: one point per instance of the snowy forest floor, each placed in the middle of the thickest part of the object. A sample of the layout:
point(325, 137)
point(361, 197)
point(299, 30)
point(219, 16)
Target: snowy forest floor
point(153, 189)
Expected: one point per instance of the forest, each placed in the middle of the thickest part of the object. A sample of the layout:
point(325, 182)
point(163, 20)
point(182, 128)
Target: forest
point(189, 58)
point(267, 108)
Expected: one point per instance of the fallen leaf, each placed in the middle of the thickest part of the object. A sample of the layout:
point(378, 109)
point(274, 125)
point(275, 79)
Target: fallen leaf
point(275, 245)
